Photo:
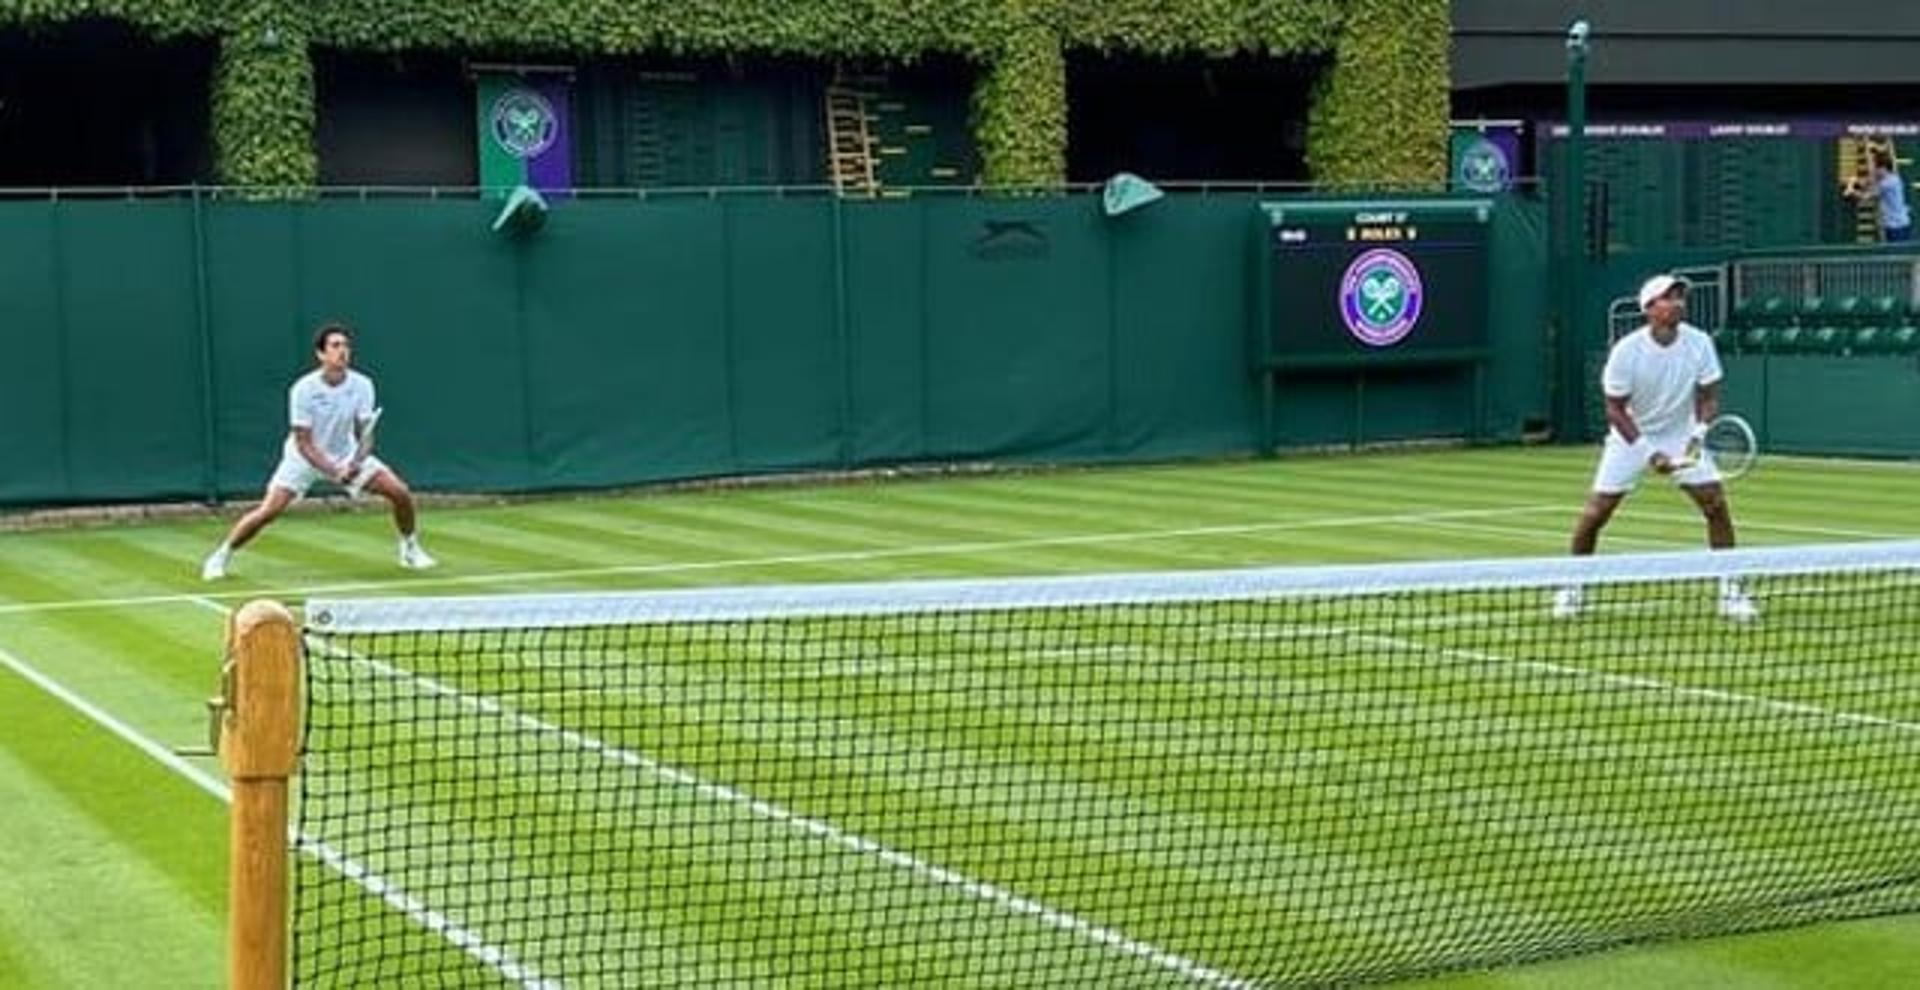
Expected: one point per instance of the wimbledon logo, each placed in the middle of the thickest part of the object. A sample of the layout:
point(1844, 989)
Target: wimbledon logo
point(1484, 167)
point(1380, 297)
point(524, 123)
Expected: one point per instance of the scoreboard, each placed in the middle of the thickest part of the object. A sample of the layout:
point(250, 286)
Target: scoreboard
point(1356, 283)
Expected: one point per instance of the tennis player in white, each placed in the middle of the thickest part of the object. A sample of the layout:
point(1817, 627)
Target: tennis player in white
point(330, 409)
point(1662, 386)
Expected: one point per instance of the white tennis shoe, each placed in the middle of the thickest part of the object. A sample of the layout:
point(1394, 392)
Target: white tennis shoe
point(413, 557)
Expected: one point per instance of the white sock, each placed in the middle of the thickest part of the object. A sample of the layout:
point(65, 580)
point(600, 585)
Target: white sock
point(223, 551)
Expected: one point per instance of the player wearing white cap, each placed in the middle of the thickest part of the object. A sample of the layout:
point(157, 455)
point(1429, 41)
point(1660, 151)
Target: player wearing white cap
point(1662, 386)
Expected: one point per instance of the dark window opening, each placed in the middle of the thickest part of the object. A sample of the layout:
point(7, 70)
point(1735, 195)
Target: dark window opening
point(1187, 119)
point(96, 103)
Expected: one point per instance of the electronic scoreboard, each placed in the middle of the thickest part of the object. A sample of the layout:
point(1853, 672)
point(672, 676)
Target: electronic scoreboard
point(1356, 283)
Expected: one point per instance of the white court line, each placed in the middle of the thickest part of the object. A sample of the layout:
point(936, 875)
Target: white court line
point(836, 556)
point(1651, 683)
point(164, 756)
point(1637, 683)
point(820, 829)
point(494, 958)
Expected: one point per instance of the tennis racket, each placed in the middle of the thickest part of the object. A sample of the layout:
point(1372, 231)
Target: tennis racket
point(1730, 441)
point(357, 485)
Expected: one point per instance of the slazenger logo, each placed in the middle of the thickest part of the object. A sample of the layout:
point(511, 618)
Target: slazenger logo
point(1380, 297)
point(524, 123)
point(1011, 239)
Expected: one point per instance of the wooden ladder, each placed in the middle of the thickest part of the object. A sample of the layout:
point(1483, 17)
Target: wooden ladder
point(850, 156)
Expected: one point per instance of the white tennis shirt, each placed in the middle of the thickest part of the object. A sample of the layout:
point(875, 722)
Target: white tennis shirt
point(1659, 382)
point(330, 411)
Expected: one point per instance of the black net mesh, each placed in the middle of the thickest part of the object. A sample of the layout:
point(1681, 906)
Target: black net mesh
point(1261, 791)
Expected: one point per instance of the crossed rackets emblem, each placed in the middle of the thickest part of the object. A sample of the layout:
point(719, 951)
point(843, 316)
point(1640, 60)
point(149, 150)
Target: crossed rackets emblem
point(1381, 295)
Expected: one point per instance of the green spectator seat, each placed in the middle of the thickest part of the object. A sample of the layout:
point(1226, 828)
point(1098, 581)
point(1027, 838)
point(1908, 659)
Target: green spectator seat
point(1745, 310)
point(1771, 309)
point(1830, 339)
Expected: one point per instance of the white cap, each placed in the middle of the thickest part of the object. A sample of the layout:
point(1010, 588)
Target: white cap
point(1658, 286)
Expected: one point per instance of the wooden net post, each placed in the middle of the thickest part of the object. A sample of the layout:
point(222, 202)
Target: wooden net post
point(259, 746)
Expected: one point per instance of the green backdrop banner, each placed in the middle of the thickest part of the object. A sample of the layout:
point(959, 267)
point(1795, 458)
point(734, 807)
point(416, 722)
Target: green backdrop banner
point(150, 343)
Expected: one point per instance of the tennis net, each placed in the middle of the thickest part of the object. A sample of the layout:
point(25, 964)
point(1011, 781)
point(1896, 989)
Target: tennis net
point(1275, 777)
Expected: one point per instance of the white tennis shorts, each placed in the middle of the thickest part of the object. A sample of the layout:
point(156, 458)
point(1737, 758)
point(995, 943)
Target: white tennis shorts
point(1621, 465)
point(296, 475)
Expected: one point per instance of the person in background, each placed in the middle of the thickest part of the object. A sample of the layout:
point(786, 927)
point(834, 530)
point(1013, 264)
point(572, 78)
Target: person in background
point(1890, 191)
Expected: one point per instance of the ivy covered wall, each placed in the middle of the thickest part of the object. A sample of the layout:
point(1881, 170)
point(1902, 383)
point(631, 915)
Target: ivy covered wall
point(1379, 112)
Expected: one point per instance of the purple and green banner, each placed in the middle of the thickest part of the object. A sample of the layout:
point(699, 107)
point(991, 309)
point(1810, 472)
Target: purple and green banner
point(525, 136)
point(1704, 130)
point(1485, 155)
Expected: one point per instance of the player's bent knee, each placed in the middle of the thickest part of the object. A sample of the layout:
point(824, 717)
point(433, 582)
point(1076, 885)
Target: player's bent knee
point(273, 505)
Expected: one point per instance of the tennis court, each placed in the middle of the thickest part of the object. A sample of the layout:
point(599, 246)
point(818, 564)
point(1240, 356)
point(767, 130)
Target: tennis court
point(1089, 797)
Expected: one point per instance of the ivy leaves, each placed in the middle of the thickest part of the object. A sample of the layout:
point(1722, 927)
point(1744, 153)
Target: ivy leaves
point(1379, 113)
